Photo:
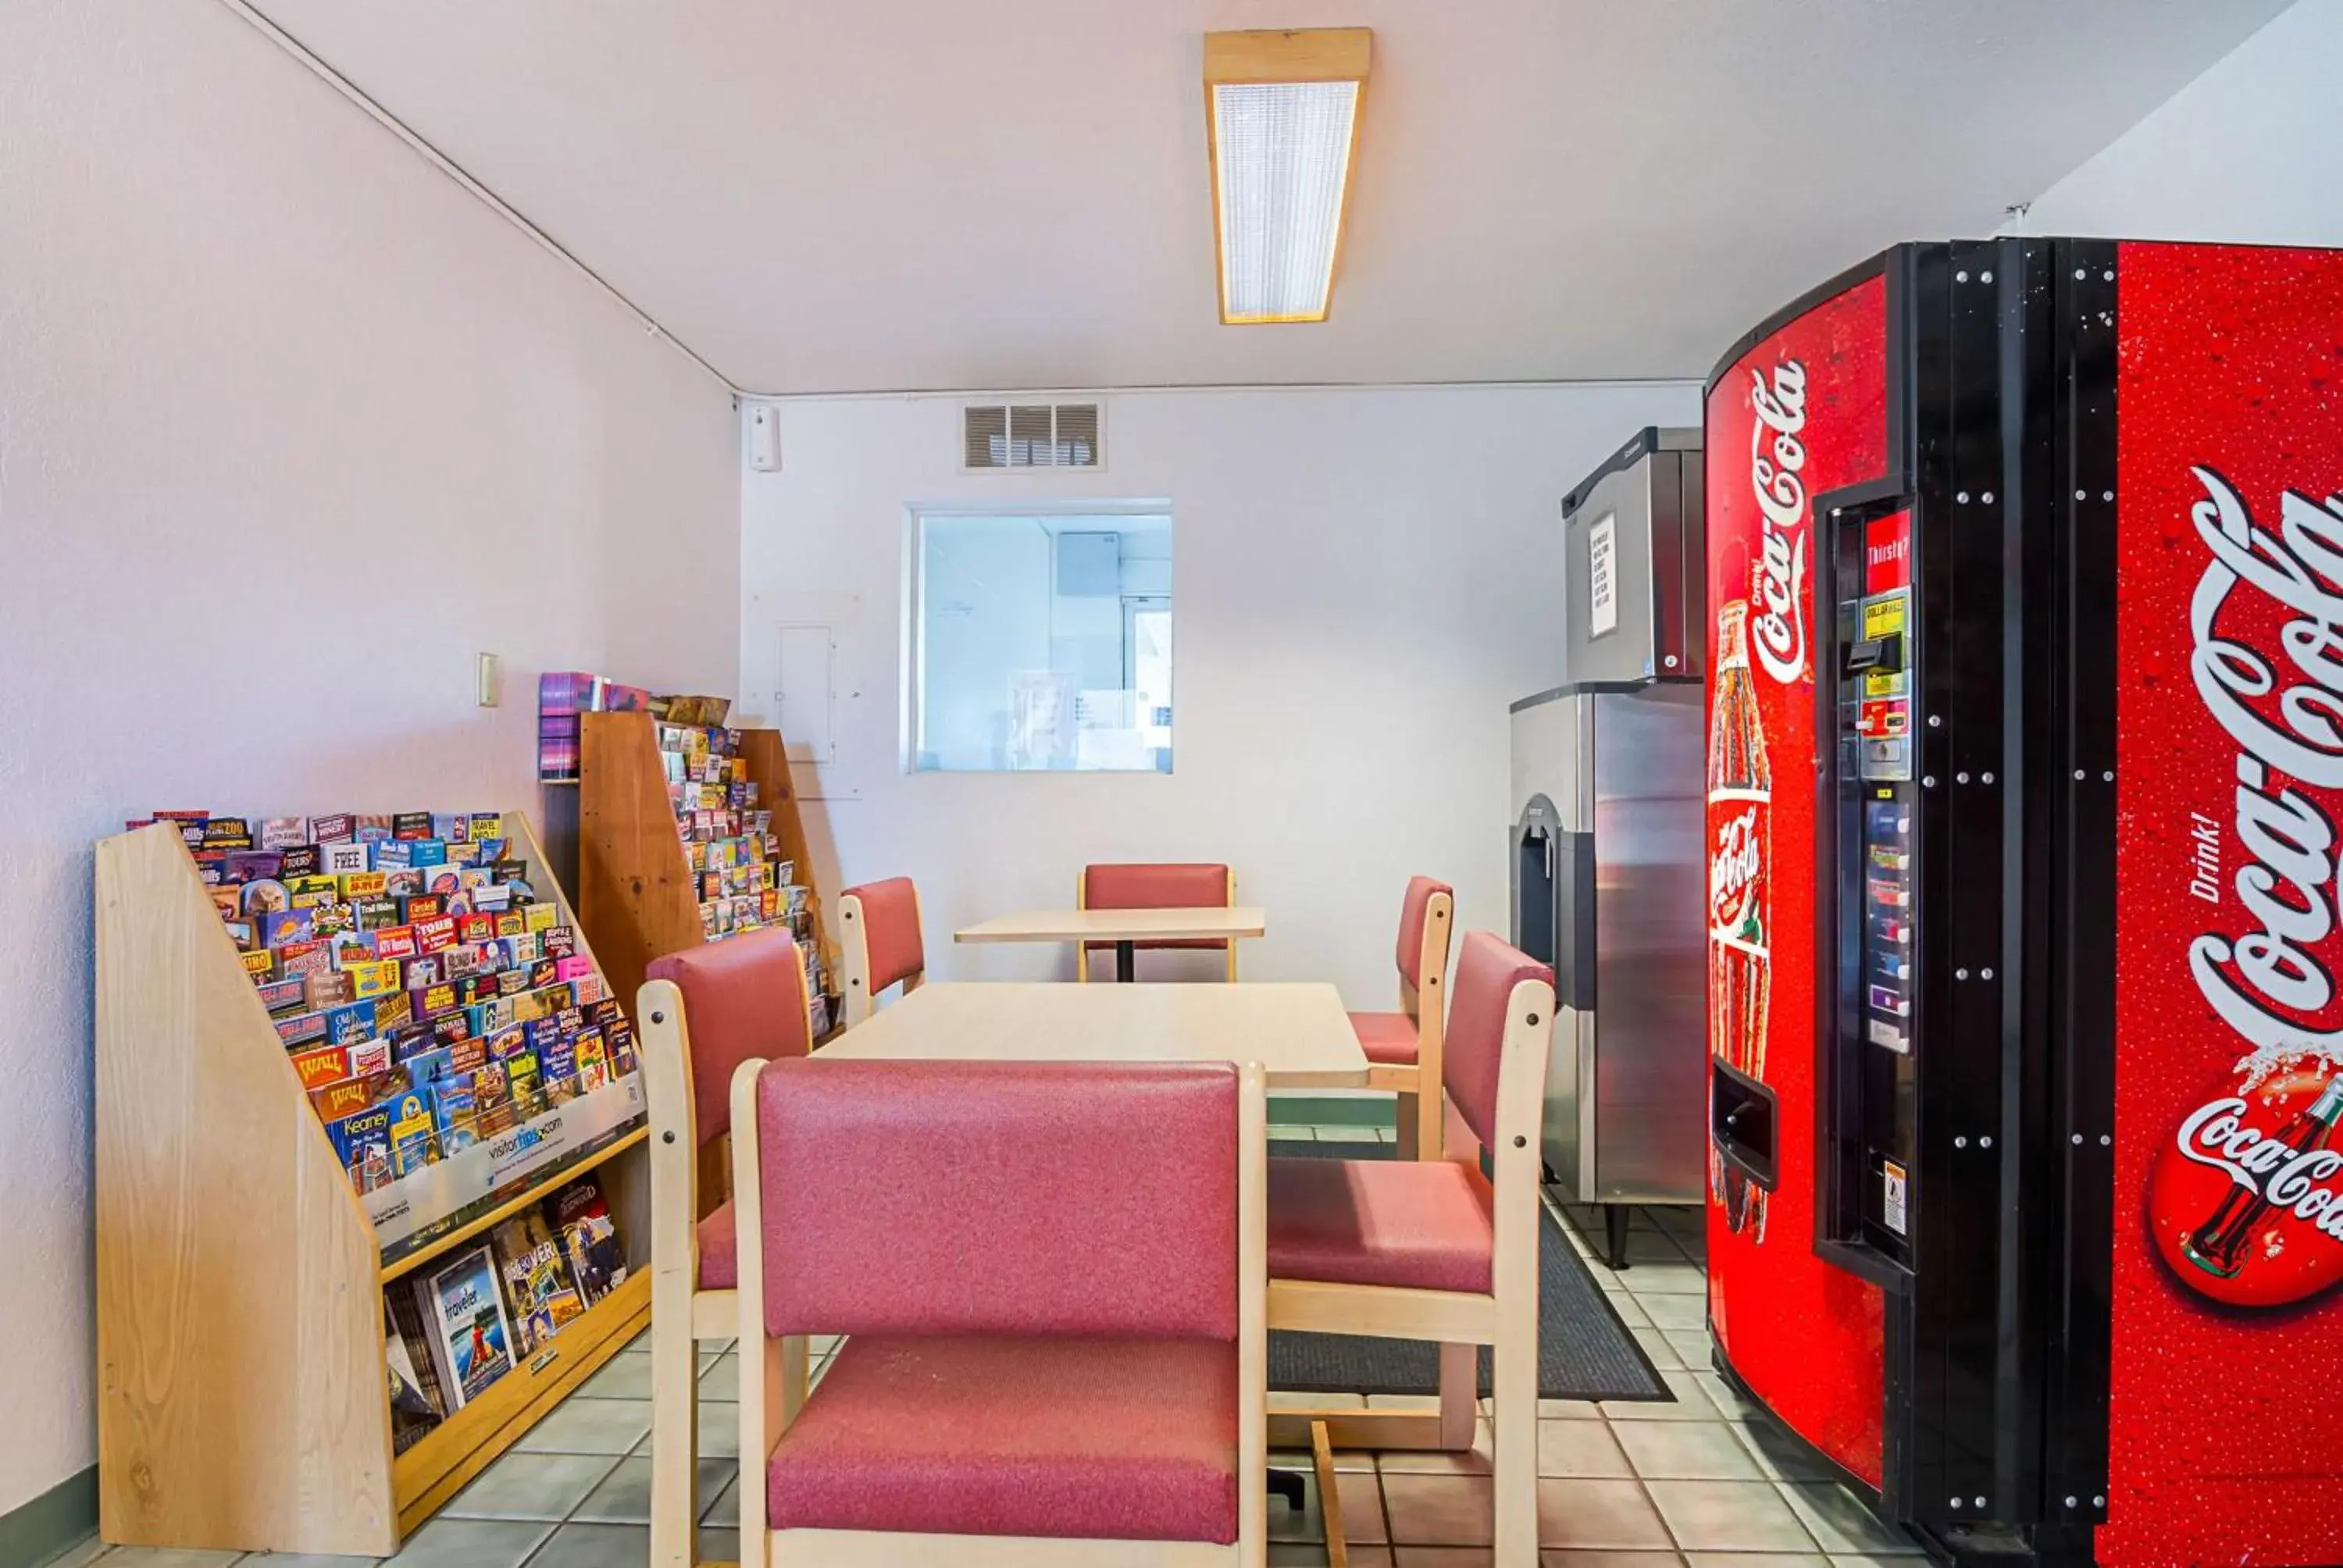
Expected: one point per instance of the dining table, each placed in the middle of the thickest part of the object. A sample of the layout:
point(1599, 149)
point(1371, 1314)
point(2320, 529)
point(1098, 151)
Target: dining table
point(1126, 929)
point(1297, 1030)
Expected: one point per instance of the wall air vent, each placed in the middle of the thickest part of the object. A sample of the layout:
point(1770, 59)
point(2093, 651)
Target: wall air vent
point(999, 437)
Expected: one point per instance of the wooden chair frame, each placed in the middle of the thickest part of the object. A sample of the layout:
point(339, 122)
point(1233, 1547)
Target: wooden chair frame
point(1082, 950)
point(854, 959)
point(773, 1389)
point(1505, 1319)
point(1423, 1121)
point(682, 1314)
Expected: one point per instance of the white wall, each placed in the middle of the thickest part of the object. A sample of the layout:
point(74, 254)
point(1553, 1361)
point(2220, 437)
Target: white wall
point(290, 427)
point(2250, 152)
point(1364, 580)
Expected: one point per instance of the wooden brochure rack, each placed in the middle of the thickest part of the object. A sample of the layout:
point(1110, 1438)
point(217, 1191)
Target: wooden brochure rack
point(637, 893)
point(242, 1389)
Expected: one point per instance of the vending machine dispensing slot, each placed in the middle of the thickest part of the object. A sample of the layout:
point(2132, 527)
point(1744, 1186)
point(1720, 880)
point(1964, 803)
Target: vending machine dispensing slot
point(1741, 1115)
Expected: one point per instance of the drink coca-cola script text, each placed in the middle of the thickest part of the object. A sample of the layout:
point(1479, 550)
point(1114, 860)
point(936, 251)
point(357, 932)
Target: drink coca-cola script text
point(2266, 623)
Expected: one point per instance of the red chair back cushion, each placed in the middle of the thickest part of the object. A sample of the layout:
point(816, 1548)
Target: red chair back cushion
point(1000, 1198)
point(1412, 914)
point(890, 931)
point(1157, 885)
point(743, 997)
point(1487, 970)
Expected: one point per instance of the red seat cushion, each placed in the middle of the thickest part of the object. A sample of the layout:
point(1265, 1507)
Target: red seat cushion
point(720, 1254)
point(1415, 1222)
point(1087, 1438)
point(1387, 1037)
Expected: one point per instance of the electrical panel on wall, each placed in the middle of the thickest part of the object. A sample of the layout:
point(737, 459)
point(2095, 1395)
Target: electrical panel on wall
point(806, 665)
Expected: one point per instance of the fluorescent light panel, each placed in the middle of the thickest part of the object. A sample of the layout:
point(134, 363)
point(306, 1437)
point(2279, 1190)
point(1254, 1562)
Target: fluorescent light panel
point(1283, 111)
point(1284, 152)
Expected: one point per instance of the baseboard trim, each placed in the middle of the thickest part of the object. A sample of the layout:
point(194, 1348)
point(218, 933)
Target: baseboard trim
point(63, 1516)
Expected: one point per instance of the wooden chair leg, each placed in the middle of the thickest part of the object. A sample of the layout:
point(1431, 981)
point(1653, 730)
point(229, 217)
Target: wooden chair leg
point(1430, 1116)
point(1329, 1496)
point(1460, 1395)
point(1411, 1138)
point(675, 1437)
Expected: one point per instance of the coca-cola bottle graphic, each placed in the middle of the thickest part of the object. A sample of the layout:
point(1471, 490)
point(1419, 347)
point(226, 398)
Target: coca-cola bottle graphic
point(1741, 848)
point(2218, 1245)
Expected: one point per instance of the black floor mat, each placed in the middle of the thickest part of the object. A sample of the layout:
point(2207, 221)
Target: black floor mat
point(1584, 1352)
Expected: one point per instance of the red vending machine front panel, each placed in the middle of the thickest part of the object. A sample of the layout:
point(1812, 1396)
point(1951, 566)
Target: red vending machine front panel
point(1802, 413)
point(2226, 1425)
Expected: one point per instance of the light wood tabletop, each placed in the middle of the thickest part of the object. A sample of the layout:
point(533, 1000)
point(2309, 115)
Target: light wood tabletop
point(1299, 1033)
point(1117, 926)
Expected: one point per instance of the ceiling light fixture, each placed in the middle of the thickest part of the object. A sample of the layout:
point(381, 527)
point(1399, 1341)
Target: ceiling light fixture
point(1282, 121)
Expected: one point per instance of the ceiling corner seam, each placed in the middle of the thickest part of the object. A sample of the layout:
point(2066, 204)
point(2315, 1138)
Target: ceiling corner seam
point(481, 193)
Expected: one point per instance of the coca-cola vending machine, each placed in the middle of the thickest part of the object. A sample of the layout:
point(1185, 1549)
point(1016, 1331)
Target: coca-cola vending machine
point(2025, 777)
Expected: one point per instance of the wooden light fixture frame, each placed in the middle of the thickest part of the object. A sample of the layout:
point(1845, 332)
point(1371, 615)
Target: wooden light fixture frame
point(1284, 55)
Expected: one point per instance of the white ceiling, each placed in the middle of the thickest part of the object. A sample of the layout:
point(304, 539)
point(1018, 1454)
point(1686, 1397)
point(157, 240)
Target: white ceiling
point(867, 194)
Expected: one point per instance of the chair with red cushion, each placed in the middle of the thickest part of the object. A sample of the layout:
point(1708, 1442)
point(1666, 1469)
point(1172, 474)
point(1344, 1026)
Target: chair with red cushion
point(1070, 1372)
point(1155, 886)
point(1403, 1047)
point(703, 1013)
point(1431, 1250)
point(878, 942)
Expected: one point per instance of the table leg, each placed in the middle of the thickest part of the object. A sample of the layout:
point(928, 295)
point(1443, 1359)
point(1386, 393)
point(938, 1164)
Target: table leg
point(1330, 1497)
point(1614, 1235)
point(1126, 962)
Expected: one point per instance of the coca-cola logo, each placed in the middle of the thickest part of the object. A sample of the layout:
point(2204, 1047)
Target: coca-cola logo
point(1734, 870)
point(2242, 1203)
point(1778, 460)
point(2269, 1169)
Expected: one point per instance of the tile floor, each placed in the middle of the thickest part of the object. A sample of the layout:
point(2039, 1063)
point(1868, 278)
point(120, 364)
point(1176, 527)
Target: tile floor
point(1701, 1482)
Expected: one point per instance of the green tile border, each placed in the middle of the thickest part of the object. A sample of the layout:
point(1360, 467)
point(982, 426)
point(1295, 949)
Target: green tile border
point(64, 1516)
point(1332, 1110)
